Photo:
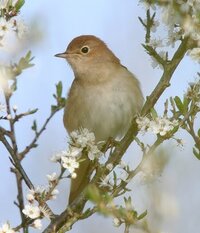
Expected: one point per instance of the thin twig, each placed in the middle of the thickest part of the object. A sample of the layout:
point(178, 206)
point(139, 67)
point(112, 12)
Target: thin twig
point(20, 171)
point(127, 227)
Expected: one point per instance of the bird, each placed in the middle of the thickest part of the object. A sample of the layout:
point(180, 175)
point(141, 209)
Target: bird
point(104, 97)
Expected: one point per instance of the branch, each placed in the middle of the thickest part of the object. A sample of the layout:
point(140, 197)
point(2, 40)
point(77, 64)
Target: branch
point(20, 173)
point(16, 162)
point(19, 116)
point(152, 52)
point(164, 82)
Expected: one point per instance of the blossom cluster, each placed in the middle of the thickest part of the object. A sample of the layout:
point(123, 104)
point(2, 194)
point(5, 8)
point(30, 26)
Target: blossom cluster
point(114, 179)
point(81, 141)
point(6, 228)
point(159, 125)
point(181, 18)
point(5, 74)
point(184, 22)
point(3, 110)
point(35, 211)
point(193, 92)
point(12, 25)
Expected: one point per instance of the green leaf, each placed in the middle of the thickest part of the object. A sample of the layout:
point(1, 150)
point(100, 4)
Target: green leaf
point(13, 86)
point(19, 4)
point(93, 193)
point(154, 113)
point(196, 153)
point(141, 216)
point(34, 145)
point(115, 177)
point(198, 132)
point(24, 62)
point(9, 3)
point(172, 102)
point(34, 126)
point(53, 108)
point(59, 88)
point(62, 102)
point(86, 213)
point(179, 104)
point(185, 104)
point(33, 111)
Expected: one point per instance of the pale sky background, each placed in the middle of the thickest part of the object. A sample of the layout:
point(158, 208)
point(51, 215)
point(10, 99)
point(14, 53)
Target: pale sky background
point(116, 22)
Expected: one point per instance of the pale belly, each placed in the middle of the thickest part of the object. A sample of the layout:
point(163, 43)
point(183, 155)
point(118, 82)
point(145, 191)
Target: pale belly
point(106, 113)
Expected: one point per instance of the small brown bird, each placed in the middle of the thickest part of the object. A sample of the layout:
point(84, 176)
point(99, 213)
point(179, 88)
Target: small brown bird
point(104, 96)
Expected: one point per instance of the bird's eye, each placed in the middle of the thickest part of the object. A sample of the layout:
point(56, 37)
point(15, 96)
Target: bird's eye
point(85, 49)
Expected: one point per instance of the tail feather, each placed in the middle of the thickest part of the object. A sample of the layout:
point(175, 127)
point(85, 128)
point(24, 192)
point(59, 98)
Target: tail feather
point(81, 181)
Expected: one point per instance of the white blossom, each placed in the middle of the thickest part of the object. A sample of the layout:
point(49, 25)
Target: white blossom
point(70, 152)
point(94, 152)
point(9, 117)
point(4, 3)
point(74, 151)
point(5, 228)
point(160, 125)
point(181, 19)
point(56, 158)
point(80, 140)
point(116, 222)
point(155, 25)
point(52, 177)
point(31, 211)
point(188, 25)
point(155, 63)
point(73, 175)
point(21, 28)
point(124, 176)
point(70, 163)
point(30, 197)
point(37, 224)
point(54, 194)
point(193, 92)
point(5, 74)
point(195, 54)
point(5, 26)
point(15, 107)
point(105, 181)
point(148, 5)
point(143, 123)
point(37, 190)
point(155, 43)
point(82, 137)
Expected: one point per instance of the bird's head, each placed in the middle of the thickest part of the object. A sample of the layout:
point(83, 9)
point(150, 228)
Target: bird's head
point(85, 52)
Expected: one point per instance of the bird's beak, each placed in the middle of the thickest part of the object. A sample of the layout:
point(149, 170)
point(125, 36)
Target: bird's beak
point(62, 55)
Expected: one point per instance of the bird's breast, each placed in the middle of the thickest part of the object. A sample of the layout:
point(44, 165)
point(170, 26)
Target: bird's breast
point(105, 109)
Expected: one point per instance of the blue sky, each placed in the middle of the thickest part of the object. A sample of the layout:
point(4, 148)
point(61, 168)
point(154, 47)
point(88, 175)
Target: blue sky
point(117, 23)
